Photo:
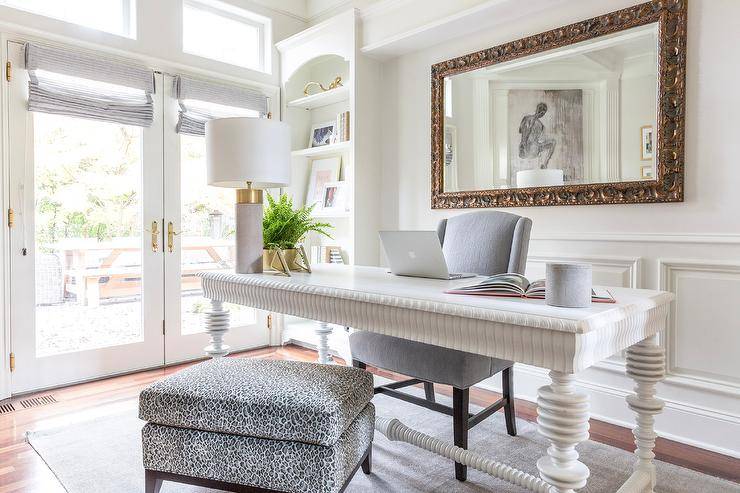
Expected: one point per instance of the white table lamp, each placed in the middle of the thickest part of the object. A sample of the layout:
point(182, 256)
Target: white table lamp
point(248, 154)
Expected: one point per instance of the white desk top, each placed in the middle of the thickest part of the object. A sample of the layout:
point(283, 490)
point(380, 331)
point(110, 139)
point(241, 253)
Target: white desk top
point(375, 285)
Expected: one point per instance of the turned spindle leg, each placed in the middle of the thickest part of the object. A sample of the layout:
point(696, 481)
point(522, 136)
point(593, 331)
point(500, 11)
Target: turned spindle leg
point(646, 366)
point(563, 419)
point(323, 330)
point(217, 325)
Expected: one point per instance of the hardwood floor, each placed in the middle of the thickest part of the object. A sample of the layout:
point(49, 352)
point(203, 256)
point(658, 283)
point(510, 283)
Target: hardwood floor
point(22, 470)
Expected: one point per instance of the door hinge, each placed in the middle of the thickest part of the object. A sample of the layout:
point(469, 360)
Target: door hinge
point(11, 218)
point(12, 361)
point(8, 71)
point(269, 322)
point(163, 327)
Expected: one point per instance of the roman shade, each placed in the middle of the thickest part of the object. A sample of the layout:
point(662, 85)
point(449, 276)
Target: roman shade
point(86, 85)
point(201, 101)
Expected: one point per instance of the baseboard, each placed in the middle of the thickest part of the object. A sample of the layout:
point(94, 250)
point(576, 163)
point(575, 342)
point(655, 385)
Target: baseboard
point(678, 422)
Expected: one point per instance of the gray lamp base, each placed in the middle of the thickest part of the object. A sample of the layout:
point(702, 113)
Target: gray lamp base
point(248, 238)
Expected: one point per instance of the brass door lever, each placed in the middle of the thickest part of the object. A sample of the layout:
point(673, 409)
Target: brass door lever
point(171, 233)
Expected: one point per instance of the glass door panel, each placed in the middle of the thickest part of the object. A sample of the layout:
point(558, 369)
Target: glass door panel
point(86, 284)
point(203, 217)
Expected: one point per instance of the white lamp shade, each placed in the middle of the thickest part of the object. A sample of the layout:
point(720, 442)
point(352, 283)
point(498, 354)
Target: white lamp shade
point(241, 150)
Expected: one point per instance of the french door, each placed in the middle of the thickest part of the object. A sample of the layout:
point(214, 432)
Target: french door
point(111, 222)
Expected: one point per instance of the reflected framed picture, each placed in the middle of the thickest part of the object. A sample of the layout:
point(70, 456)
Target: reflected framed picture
point(323, 171)
point(322, 134)
point(646, 172)
point(646, 142)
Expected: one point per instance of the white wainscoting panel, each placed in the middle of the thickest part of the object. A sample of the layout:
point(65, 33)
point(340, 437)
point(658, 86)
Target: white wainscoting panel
point(703, 339)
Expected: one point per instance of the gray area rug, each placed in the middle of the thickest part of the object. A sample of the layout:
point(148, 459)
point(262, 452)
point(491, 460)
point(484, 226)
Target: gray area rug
point(104, 455)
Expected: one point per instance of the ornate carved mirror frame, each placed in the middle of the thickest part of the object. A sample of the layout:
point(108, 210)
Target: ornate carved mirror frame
point(668, 185)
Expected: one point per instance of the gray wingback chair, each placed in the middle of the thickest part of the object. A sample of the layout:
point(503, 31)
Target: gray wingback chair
point(486, 243)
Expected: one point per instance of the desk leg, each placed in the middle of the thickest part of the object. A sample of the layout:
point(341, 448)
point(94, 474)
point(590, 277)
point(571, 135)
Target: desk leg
point(563, 419)
point(323, 330)
point(646, 366)
point(217, 325)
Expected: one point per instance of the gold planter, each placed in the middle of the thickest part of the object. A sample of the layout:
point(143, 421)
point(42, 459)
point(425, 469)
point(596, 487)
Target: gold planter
point(284, 261)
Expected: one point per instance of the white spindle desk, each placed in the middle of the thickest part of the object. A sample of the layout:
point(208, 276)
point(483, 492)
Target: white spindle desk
point(563, 340)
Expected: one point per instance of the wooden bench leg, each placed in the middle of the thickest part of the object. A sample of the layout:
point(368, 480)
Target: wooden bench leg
point(429, 391)
point(507, 387)
point(460, 414)
point(152, 482)
point(367, 464)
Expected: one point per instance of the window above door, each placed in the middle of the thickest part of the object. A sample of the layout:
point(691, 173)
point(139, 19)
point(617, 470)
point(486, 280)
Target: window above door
point(229, 34)
point(111, 16)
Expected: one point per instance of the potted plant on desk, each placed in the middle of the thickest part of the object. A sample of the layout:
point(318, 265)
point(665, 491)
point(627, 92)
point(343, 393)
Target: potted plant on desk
point(283, 228)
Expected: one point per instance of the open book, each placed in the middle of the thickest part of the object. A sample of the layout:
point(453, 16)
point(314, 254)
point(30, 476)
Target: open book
point(517, 286)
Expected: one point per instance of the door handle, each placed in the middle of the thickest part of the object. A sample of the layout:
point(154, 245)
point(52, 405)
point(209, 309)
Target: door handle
point(155, 236)
point(171, 233)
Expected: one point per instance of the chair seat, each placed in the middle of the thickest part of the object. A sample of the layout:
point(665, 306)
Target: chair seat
point(424, 361)
point(280, 400)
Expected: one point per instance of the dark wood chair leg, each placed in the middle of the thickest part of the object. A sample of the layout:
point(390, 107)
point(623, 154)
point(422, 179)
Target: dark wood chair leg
point(152, 483)
point(359, 364)
point(507, 385)
point(429, 391)
point(460, 413)
point(367, 464)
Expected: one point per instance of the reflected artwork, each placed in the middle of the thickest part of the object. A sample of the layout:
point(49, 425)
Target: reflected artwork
point(546, 132)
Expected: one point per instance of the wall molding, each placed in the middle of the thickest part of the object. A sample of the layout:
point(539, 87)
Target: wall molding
point(695, 238)
point(669, 268)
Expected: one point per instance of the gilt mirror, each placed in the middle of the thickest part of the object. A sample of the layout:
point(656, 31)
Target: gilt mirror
point(590, 113)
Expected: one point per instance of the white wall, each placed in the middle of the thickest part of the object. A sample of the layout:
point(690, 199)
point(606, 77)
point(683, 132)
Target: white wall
point(692, 248)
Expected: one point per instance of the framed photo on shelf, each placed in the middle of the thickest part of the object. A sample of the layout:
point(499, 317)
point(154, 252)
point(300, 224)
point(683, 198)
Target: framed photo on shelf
point(323, 171)
point(646, 142)
point(334, 201)
point(322, 134)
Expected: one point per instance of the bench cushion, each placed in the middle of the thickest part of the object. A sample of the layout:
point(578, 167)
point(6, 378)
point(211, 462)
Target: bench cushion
point(424, 361)
point(281, 400)
point(269, 464)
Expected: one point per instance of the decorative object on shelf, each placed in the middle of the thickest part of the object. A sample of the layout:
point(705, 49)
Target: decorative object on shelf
point(251, 152)
point(283, 229)
point(646, 172)
point(334, 201)
point(322, 134)
point(568, 285)
point(646, 142)
point(323, 171)
point(342, 127)
point(337, 82)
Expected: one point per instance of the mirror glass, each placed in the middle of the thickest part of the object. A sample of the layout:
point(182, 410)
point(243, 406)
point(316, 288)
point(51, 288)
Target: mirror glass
point(584, 113)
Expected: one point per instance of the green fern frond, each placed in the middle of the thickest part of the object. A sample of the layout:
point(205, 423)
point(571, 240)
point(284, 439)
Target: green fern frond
point(284, 227)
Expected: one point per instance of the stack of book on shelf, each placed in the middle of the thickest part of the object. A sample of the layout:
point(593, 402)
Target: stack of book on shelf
point(516, 285)
point(342, 127)
point(326, 255)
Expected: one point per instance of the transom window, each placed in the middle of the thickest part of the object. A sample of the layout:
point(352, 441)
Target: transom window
point(111, 16)
point(229, 34)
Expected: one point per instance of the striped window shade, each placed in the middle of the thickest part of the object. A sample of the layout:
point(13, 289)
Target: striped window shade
point(85, 85)
point(201, 101)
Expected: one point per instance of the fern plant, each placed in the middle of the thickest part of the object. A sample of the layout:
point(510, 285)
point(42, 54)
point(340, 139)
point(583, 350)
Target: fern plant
point(283, 227)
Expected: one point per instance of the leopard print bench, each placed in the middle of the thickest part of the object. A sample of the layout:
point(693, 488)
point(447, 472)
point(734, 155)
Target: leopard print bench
point(256, 426)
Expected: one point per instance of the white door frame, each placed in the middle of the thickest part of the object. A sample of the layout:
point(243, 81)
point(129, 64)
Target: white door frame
point(4, 235)
point(73, 367)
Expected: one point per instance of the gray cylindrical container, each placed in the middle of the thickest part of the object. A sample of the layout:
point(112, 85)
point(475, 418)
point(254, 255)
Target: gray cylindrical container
point(568, 285)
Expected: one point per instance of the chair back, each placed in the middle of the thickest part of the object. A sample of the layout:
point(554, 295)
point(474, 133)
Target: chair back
point(485, 242)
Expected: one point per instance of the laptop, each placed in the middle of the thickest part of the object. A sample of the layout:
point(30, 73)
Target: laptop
point(416, 254)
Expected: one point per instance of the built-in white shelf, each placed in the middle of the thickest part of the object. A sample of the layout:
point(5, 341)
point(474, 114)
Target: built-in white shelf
point(331, 215)
point(322, 150)
point(320, 99)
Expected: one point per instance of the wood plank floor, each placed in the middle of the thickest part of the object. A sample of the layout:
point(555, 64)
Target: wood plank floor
point(22, 470)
